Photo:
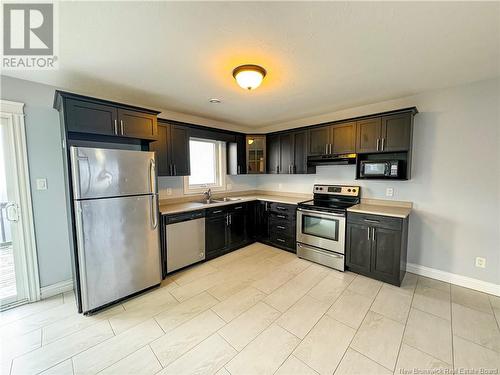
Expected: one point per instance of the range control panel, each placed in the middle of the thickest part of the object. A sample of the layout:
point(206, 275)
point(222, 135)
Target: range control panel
point(352, 191)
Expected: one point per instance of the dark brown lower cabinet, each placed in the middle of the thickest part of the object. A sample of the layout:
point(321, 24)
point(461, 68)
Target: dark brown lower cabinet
point(376, 246)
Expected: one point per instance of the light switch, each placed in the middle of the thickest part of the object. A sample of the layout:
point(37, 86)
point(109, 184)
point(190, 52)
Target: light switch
point(389, 192)
point(169, 191)
point(41, 184)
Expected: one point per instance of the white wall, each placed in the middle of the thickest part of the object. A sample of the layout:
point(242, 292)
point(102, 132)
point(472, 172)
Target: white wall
point(455, 183)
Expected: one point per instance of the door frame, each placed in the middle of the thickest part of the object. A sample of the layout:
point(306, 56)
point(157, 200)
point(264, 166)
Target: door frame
point(14, 113)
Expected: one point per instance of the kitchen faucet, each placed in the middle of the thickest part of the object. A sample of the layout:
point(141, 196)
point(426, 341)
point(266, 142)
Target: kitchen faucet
point(208, 194)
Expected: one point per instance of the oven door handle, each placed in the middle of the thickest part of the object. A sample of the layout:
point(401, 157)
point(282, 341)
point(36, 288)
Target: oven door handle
point(320, 213)
point(320, 251)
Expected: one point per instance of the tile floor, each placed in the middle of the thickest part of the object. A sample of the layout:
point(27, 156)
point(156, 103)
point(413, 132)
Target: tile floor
point(260, 310)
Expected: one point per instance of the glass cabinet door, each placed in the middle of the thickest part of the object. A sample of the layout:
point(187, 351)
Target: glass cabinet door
point(256, 154)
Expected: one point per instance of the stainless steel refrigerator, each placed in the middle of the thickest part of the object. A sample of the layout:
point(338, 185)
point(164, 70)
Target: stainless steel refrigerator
point(116, 224)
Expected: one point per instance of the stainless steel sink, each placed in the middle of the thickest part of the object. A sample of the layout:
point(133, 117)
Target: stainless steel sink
point(226, 199)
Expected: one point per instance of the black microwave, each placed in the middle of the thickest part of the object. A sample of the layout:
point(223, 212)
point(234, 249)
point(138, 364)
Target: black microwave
point(381, 168)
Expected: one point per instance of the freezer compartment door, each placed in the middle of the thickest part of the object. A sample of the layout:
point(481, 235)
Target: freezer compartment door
point(101, 173)
point(118, 248)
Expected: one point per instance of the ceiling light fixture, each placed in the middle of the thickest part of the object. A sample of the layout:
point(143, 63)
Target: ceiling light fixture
point(214, 101)
point(249, 76)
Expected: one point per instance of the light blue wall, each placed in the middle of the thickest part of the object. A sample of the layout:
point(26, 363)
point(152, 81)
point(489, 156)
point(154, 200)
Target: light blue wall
point(45, 161)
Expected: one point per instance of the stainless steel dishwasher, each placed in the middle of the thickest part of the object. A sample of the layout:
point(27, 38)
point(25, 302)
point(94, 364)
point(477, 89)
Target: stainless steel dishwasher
point(185, 234)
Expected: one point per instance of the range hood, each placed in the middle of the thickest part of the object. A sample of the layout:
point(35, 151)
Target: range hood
point(334, 159)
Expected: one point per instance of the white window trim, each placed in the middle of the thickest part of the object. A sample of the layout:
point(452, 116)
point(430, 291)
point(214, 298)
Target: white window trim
point(221, 172)
point(28, 260)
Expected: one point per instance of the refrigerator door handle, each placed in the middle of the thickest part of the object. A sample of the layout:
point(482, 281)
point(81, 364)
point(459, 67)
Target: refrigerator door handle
point(154, 212)
point(80, 238)
point(84, 159)
point(152, 173)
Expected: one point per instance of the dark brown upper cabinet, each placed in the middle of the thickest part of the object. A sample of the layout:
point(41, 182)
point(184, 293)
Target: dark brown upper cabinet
point(396, 132)
point(385, 134)
point(273, 153)
point(319, 139)
point(96, 117)
point(136, 124)
point(333, 139)
point(236, 155)
point(368, 135)
point(172, 150)
point(287, 152)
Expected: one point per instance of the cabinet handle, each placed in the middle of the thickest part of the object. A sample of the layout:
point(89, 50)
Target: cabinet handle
point(383, 144)
point(230, 219)
point(175, 169)
point(368, 233)
point(373, 234)
point(217, 212)
point(330, 148)
point(281, 216)
point(280, 227)
point(122, 126)
point(378, 143)
point(238, 208)
point(281, 208)
point(116, 126)
point(238, 169)
point(266, 206)
point(326, 149)
point(280, 240)
point(227, 220)
point(372, 221)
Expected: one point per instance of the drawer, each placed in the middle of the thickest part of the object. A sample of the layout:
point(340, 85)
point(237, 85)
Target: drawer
point(216, 211)
point(285, 209)
point(184, 216)
point(237, 207)
point(282, 227)
point(375, 220)
point(283, 241)
point(281, 216)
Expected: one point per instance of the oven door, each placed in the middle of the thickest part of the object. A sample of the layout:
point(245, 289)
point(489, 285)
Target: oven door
point(325, 230)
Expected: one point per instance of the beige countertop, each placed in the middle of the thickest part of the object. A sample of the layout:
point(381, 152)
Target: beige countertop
point(384, 208)
point(172, 208)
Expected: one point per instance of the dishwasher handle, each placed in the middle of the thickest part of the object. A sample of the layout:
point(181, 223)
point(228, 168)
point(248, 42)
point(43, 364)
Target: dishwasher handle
point(185, 216)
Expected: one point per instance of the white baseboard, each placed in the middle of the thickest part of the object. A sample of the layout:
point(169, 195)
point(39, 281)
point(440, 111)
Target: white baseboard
point(57, 288)
point(452, 278)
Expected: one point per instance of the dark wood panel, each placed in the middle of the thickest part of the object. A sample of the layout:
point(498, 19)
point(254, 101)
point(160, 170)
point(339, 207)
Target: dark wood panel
point(319, 139)
point(286, 153)
point(89, 117)
point(344, 138)
point(300, 151)
point(358, 247)
point(368, 135)
point(137, 124)
point(396, 132)
point(237, 226)
point(386, 249)
point(179, 150)
point(216, 242)
point(160, 147)
point(273, 154)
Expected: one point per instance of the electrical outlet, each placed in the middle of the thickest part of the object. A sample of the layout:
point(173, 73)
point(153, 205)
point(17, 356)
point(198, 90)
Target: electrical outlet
point(389, 192)
point(480, 262)
point(169, 191)
point(41, 184)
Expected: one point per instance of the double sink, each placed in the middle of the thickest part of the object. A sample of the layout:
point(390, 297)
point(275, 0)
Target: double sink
point(219, 200)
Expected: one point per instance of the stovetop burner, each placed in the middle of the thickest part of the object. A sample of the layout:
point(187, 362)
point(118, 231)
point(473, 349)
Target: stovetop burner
point(333, 198)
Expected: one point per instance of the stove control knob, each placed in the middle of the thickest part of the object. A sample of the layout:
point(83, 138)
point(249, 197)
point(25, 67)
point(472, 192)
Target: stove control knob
point(353, 190)
point(349, 190)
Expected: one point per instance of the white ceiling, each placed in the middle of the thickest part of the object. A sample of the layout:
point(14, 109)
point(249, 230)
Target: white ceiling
point(320, 57)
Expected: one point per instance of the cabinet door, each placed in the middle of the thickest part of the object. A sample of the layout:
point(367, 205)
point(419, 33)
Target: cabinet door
point(286, 153)
point(319, 139)
point(386, 248)
point(216, 236)
point(262, 221)
point(300, 141)
point(179, 150)
point(161, 148)
point(135, 124)
point(273, 154)
point(87, 117)
point(237, 226)
point(358, 243)
point(241, 154)
point(396, 132)
point(368, 135)
point(344, 138)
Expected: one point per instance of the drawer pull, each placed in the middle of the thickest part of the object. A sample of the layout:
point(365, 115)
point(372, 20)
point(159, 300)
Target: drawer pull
point(280, 240)
point(217, 212)
point(281, 208)
point(372, 221)
point(281, 216)
point(238, 208)
point(280, 227)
